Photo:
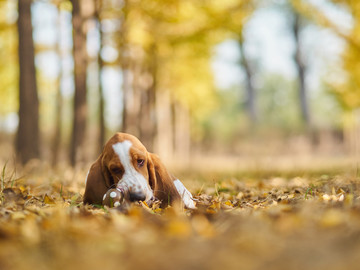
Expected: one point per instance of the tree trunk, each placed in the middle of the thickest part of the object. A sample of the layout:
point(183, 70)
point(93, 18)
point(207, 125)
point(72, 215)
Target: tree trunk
point(351, 130)
point(101, 139)
point(126, 84)
point(131, 100)
point(148, 99)
point(57, 133)
point(147, 115)
point(101, 108)
point(27, 142)
point(164, 137)
point(80, 107)
point(181, 132)
point(301, 69)
point(59, 105)
point(250, 91)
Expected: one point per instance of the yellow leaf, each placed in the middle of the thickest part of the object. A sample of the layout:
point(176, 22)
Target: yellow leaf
point(18, 215)
point(179, 228)
point(157, 210)
point(48, 200)
point(215, 205)
point(23, 188)
point(213, 208)
point(229, 203)
point(331, 218)
point(202, 226)
point(145, 204)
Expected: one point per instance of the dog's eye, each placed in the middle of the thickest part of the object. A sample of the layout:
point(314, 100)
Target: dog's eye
point(140, 162)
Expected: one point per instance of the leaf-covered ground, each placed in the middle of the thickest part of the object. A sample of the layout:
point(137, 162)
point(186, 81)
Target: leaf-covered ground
point(263, 222)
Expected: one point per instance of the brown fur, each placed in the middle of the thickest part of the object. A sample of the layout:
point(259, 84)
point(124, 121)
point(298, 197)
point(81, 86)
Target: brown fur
point(106, 171)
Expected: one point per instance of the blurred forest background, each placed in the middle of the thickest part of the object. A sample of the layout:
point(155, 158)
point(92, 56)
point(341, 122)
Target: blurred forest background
point(192, 79)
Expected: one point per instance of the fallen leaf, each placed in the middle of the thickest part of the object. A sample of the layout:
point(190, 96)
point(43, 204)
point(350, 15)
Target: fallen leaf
point(48, 200)
point(202, 226)
point(178, 228)
point(331, 218)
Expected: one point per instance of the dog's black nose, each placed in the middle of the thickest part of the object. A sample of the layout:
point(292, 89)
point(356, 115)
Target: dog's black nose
point(137, 196)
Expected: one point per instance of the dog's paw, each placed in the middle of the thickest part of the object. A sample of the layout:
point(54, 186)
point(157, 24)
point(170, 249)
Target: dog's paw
point(185, 195)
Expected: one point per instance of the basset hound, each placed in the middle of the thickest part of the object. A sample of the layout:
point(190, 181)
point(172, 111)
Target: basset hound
point(125, 164)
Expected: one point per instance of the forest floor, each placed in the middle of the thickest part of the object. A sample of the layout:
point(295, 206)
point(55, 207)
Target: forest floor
point(244, 221)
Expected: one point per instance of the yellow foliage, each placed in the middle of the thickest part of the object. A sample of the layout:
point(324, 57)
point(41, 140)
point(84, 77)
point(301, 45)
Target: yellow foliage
point(183, 34)
point(348, 90)
point(8, 65)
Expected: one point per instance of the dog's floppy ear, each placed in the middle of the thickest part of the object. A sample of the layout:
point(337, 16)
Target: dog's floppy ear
point(98, 182)
point(161, 182)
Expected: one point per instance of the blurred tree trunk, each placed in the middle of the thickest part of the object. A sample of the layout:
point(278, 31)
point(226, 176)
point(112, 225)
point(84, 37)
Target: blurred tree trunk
point(164, 134)
point(27, 142)
point(132, 99)
point(59, 103)
point(124, 50)
point(125, 93)
point(181, 132)
point(80, 106)
point(101, 140)
point(250, 91)
point(301, 69)
point(58, 120)
point(351, 131)
point(147, 110)
point(147, 118)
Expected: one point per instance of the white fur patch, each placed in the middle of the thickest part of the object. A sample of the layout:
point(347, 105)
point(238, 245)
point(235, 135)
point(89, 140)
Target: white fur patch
point(185, 194)
point(132, 179)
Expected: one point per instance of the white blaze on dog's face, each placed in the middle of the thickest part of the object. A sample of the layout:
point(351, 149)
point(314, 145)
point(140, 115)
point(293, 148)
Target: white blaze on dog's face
point(133, 174)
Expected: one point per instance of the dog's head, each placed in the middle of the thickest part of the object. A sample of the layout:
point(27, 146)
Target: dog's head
point(126, 164)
